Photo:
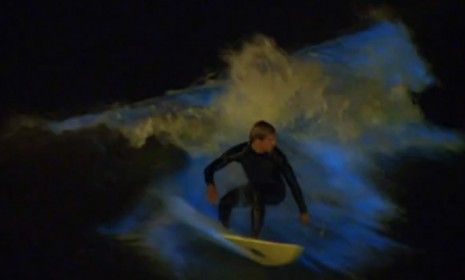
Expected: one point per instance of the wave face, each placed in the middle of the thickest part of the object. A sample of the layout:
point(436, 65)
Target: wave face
point(337, 106)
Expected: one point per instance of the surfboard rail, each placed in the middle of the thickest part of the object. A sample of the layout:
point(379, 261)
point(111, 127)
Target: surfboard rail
point(266, 252)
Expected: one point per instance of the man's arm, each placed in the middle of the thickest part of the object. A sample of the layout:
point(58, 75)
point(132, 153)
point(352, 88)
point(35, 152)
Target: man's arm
point(227, 157)
point(288, 173)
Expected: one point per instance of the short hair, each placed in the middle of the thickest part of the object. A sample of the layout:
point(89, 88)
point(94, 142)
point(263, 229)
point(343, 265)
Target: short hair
point(260, 130)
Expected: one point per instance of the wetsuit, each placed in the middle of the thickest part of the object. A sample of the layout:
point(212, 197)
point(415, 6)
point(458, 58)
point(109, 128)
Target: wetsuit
point(265, 172)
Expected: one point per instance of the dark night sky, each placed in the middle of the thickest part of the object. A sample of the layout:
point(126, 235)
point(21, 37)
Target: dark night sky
point(73, 57)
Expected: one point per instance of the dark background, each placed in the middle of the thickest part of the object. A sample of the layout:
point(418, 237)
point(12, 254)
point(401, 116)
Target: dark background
point(70, 58)
point(74, 57)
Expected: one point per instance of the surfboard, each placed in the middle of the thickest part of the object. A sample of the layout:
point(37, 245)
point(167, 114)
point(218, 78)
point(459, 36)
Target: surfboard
point(260, 251)
point(265, 252)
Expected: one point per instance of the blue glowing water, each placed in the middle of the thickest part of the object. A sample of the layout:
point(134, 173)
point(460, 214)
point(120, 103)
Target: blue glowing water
point(337, 106)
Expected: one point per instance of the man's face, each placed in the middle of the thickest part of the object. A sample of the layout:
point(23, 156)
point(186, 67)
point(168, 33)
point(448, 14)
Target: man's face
point(268, 143)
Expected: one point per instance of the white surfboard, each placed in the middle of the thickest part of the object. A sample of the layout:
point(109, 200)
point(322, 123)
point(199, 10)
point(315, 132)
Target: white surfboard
point(266, 252)
point(261, 251)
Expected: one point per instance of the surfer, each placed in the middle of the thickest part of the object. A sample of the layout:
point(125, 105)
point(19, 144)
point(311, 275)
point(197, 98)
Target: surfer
point(265, 165)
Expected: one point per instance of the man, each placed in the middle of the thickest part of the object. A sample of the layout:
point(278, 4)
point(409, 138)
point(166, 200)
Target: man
point(265, 165)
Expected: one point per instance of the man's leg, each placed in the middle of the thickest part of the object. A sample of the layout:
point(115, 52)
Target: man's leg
point(257, 212)
point(227, 202)
point(261, 195)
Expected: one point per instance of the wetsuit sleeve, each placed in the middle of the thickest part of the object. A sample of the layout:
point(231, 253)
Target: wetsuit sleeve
point(227, 157)
point(289, 176)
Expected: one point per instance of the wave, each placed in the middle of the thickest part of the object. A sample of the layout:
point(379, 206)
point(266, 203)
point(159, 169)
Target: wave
point(337, 106)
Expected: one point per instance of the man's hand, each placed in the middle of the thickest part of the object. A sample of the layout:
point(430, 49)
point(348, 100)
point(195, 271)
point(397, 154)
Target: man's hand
point(305, 218)
point(212, 194)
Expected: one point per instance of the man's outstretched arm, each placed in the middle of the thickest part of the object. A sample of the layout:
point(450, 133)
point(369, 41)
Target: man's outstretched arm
point(227, 157)
point(289, 175)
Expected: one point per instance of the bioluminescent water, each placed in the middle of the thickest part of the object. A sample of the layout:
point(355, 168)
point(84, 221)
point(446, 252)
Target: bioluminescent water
point(337, 107)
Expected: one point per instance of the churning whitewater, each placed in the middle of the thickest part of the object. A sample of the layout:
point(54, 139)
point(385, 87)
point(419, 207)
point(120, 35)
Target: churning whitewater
point(336, 106)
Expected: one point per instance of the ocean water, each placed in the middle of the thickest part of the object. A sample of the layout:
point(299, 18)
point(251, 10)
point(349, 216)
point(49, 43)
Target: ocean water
point(339, 107)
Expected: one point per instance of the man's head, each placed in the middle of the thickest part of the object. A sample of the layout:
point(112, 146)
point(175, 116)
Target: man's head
point(262, 136)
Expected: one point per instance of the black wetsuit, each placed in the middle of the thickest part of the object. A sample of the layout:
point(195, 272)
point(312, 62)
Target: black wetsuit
point(266, 186)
